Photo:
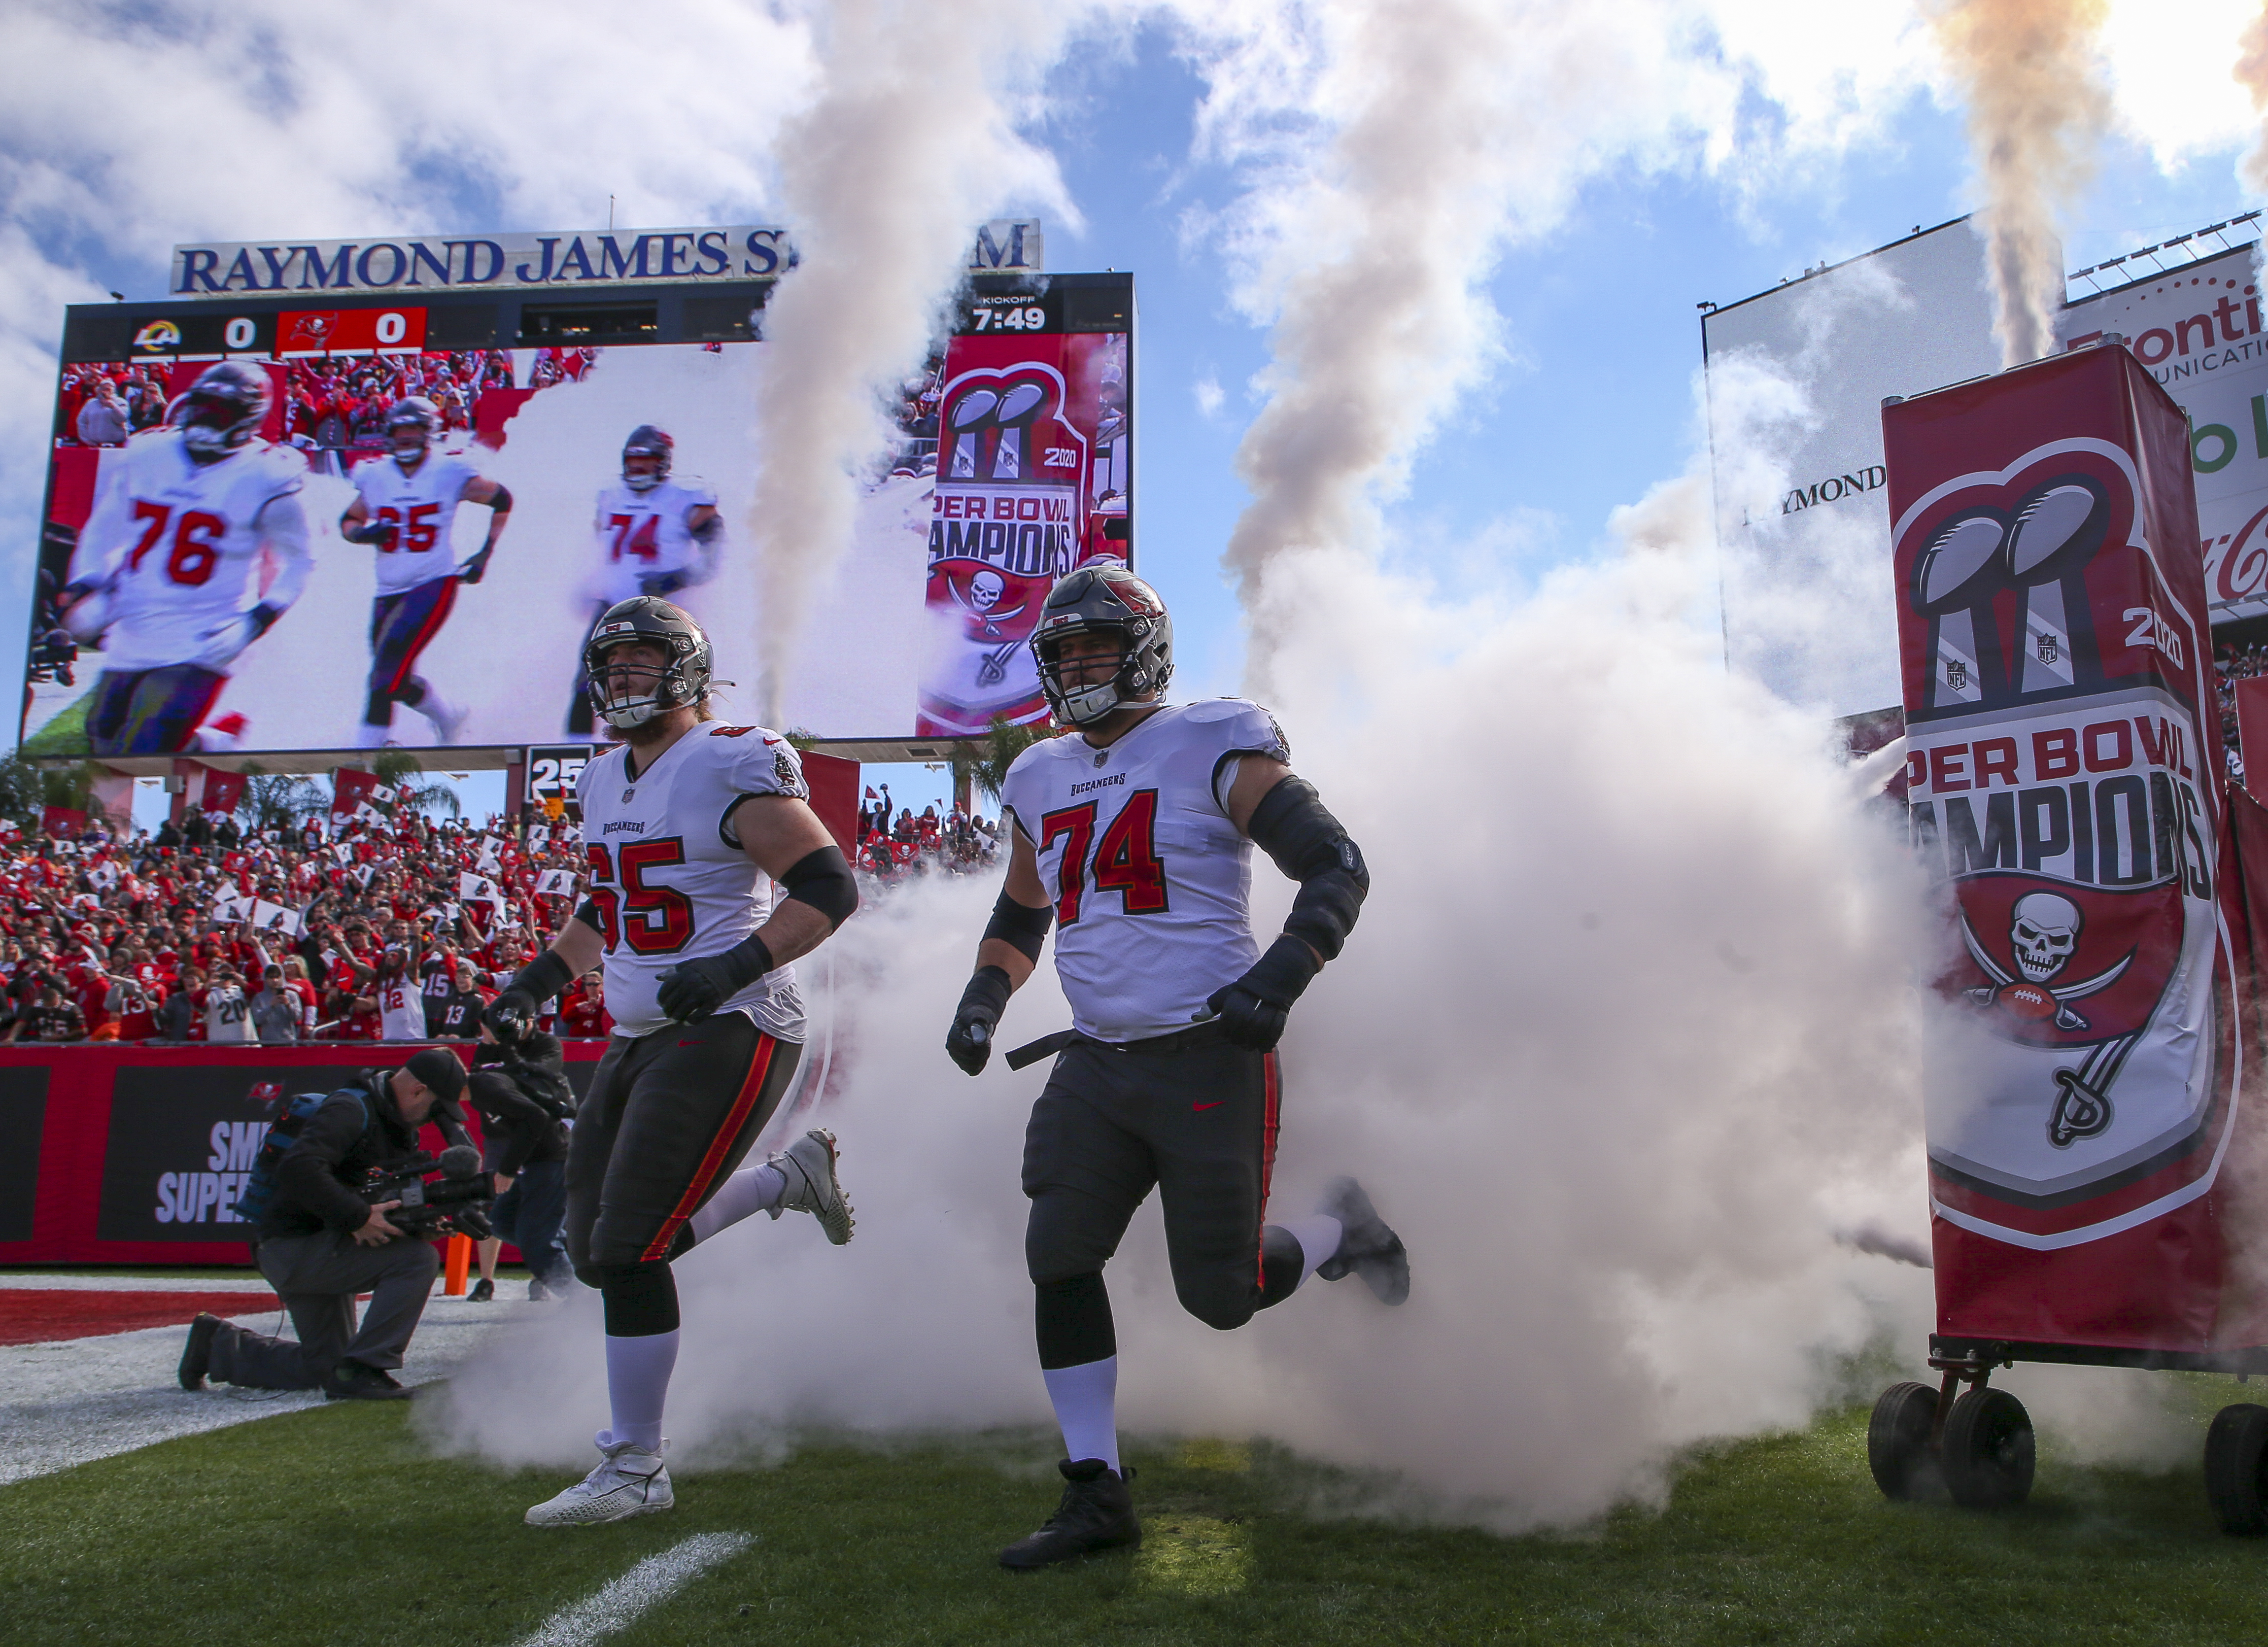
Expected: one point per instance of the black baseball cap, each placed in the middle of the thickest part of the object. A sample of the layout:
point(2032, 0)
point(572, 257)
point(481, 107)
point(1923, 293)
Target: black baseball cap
point(439, 1070)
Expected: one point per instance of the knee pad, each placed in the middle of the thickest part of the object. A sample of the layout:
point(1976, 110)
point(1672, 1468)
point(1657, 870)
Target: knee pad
point(640, 1299)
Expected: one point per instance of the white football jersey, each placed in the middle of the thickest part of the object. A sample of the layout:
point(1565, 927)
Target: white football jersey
point(643, 534)
point(669, 883)
point(421, 505)
point(180, 543)
point(1150, 878)
point(400, 1009)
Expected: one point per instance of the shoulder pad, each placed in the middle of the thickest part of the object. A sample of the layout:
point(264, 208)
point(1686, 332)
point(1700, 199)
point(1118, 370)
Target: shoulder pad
point(1208, 710)
point(697, 491)
point(283, 467)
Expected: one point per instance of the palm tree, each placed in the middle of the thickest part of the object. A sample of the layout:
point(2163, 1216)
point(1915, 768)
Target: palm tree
point(396, 768)
point(984, 761)
point(279, 800)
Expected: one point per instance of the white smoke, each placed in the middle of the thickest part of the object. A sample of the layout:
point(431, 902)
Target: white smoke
point(1624, 1039)
point(910, 143)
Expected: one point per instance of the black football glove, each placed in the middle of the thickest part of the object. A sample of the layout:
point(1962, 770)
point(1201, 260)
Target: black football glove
point(509, 1016)
point(662, 584)
point(968, 1043)
point(1255, 1009)
point(692, 989)
point(473, 570)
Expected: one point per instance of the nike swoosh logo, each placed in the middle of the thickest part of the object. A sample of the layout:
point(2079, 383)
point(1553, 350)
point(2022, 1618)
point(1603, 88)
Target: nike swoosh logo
point(1216, 1104)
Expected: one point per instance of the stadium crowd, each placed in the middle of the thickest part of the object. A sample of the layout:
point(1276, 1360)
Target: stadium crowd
point(893, 846)
point(2233, 663)
point(369, 929)
point(328, 402)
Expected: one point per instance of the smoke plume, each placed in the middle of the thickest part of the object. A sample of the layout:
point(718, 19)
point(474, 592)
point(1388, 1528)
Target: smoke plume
point(2037, 109)
point(885, 174)
point(2252, 75)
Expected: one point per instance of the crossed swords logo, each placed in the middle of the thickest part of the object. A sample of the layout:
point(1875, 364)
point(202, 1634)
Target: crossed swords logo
point(983, 603)
point(2042, 935)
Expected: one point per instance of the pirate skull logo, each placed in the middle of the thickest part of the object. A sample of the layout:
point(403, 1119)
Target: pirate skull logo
point(985, 590)
point(2043, 934)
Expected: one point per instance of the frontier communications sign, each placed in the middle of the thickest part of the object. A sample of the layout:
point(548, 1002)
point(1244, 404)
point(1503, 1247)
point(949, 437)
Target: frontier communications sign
point(561, 258)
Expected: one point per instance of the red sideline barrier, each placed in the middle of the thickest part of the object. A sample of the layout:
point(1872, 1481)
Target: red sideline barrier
point(129, 1155)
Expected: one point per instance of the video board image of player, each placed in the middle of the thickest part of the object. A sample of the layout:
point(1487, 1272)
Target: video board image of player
point(595, 473)
point(658, 533)
point(1029, 462)
point(196, 545)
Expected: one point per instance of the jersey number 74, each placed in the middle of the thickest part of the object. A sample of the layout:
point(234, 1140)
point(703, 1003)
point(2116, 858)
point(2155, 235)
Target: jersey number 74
point(1125, 858)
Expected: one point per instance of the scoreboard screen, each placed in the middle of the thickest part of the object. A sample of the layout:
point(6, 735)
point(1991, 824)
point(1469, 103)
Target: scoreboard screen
point(297, 586)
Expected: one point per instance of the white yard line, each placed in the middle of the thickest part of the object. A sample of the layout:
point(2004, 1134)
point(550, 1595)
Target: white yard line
point(653, 1581)
point(81, 1398)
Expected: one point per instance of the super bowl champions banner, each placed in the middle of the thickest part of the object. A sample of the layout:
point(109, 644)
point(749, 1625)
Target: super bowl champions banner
point(1012, 464)
point(2066, 779)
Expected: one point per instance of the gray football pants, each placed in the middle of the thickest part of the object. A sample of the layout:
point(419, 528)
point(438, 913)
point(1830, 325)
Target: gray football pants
point(318, 1277)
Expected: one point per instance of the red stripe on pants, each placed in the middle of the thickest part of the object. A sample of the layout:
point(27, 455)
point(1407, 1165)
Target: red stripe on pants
point(1274, 1094)
point(425, 631)
point(719, 1146)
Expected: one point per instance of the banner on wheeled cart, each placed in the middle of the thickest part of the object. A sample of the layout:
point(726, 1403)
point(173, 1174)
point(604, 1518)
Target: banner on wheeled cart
point(2066, 778)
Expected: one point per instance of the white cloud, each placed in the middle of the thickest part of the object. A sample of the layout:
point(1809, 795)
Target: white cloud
point(1207, 393)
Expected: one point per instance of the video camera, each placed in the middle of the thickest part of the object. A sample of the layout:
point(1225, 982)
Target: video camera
point(457, 1203)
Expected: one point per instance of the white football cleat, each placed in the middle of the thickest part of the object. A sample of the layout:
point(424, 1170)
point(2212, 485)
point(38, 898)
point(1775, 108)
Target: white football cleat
point(629, 1481)
point(808, 1165)
point(448, 718)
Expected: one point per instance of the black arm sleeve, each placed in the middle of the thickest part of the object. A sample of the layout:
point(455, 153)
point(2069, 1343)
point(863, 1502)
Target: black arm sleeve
point(502, 502)
point(823, 880)
point(1020, 926)
point(1292, 825)
point(543, 977)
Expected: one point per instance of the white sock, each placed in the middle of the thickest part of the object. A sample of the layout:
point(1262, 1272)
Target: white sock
point(751, 1190)
point(637, 1383)
point(1087, 1407)
point(434, 707)
point(1318, 1237)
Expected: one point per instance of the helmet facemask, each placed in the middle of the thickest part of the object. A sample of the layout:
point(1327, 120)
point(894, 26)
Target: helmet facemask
point(1082, 704)
point(647, 689)
point(409, 432)
point(211, 425)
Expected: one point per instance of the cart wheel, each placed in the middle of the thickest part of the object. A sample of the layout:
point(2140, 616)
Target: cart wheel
point(1897, 1438)
point(1986, 1452)
point(2236, 1450)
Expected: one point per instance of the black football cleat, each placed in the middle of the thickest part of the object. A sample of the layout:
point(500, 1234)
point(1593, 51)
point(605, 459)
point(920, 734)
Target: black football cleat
point(483, 1291)
point(1368, 1247)
point(196, 1355)
point(354, 1381)
point(1097, 1513)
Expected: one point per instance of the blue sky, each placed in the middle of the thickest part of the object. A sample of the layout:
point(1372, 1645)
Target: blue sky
point(1595, 405)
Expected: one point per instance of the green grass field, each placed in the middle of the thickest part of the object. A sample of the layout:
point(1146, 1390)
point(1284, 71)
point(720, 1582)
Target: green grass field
point(65, 735)
point(334, 1527)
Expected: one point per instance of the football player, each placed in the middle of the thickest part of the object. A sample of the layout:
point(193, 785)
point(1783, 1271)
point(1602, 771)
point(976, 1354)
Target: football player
point(1135, 839)
point(689, 823)
point(406, 509)
point(167, 570)
point(655, 535)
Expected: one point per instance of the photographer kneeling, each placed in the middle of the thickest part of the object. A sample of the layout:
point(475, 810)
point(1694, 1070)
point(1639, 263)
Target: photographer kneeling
point(524, 1100)
point(318, 1243)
